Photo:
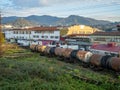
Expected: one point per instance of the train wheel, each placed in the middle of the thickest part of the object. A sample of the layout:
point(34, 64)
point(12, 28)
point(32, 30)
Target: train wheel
point(92, 66)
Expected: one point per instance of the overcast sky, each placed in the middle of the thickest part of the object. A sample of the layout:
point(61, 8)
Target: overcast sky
point(98, 9)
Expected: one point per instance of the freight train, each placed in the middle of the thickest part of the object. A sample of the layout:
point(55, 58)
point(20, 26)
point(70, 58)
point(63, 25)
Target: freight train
point(71, 55)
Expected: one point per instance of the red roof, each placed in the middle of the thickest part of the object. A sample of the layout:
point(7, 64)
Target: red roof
point(108, 47)
point(106, 34)
point(39, 29)
point(74, 35)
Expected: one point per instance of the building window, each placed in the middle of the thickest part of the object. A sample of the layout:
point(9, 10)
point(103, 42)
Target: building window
point(42, 36)
point(27, 32)
point(14, 32)
point(17, 37)
point(51, 36)
point(22, 32)
point(36, 31)
point(35, 36)
point(56, 37)
point(18, 32)
point(51, 32)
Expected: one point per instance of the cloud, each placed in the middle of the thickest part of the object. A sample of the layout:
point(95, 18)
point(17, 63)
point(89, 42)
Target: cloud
point(5, 4)
point(38, 3)
point(59, 7)
point(25, 3)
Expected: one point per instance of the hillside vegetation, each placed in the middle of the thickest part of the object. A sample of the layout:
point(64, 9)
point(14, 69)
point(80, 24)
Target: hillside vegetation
point(20, 69)
point(21, 22)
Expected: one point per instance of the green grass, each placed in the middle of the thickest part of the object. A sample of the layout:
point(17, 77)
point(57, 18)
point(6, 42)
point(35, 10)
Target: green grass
point(42, 73)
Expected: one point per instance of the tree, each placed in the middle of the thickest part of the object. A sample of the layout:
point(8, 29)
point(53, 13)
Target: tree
point(1, 37)
point(63, 31)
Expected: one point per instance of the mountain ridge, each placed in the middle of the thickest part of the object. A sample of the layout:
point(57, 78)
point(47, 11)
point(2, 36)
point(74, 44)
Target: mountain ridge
point(53, 20)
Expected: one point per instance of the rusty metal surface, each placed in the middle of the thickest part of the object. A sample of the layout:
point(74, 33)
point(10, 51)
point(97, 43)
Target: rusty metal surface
point(84, 56)
point(114, 63)
point(95, 59)
point(67, 52)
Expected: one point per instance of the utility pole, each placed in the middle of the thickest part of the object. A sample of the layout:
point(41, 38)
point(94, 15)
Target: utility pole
point(1, 34)
point(118, 27)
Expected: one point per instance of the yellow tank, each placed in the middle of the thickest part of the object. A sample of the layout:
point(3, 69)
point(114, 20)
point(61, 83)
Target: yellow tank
point(47, 50)
point(43, 48)
point(32, 47)
point(80, 29)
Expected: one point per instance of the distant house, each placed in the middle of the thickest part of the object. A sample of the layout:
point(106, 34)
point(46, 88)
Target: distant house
point(105, 37)
point(80, 32)
point(80, 29)
point(34, 35)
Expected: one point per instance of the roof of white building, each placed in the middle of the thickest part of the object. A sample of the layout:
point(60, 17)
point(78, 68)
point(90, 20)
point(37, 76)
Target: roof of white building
point(39, 29)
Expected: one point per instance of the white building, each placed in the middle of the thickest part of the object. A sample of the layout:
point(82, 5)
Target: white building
point(7, 26)
point(35, 35)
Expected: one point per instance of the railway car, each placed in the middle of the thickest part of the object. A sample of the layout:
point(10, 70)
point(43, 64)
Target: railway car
point(52, 51)
point(33, 47)
point(96, 60)
point(84, 56)
point(66, 54)
point(41, 49)
point(47, 50)
point(71, 55)
point(114, 63)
